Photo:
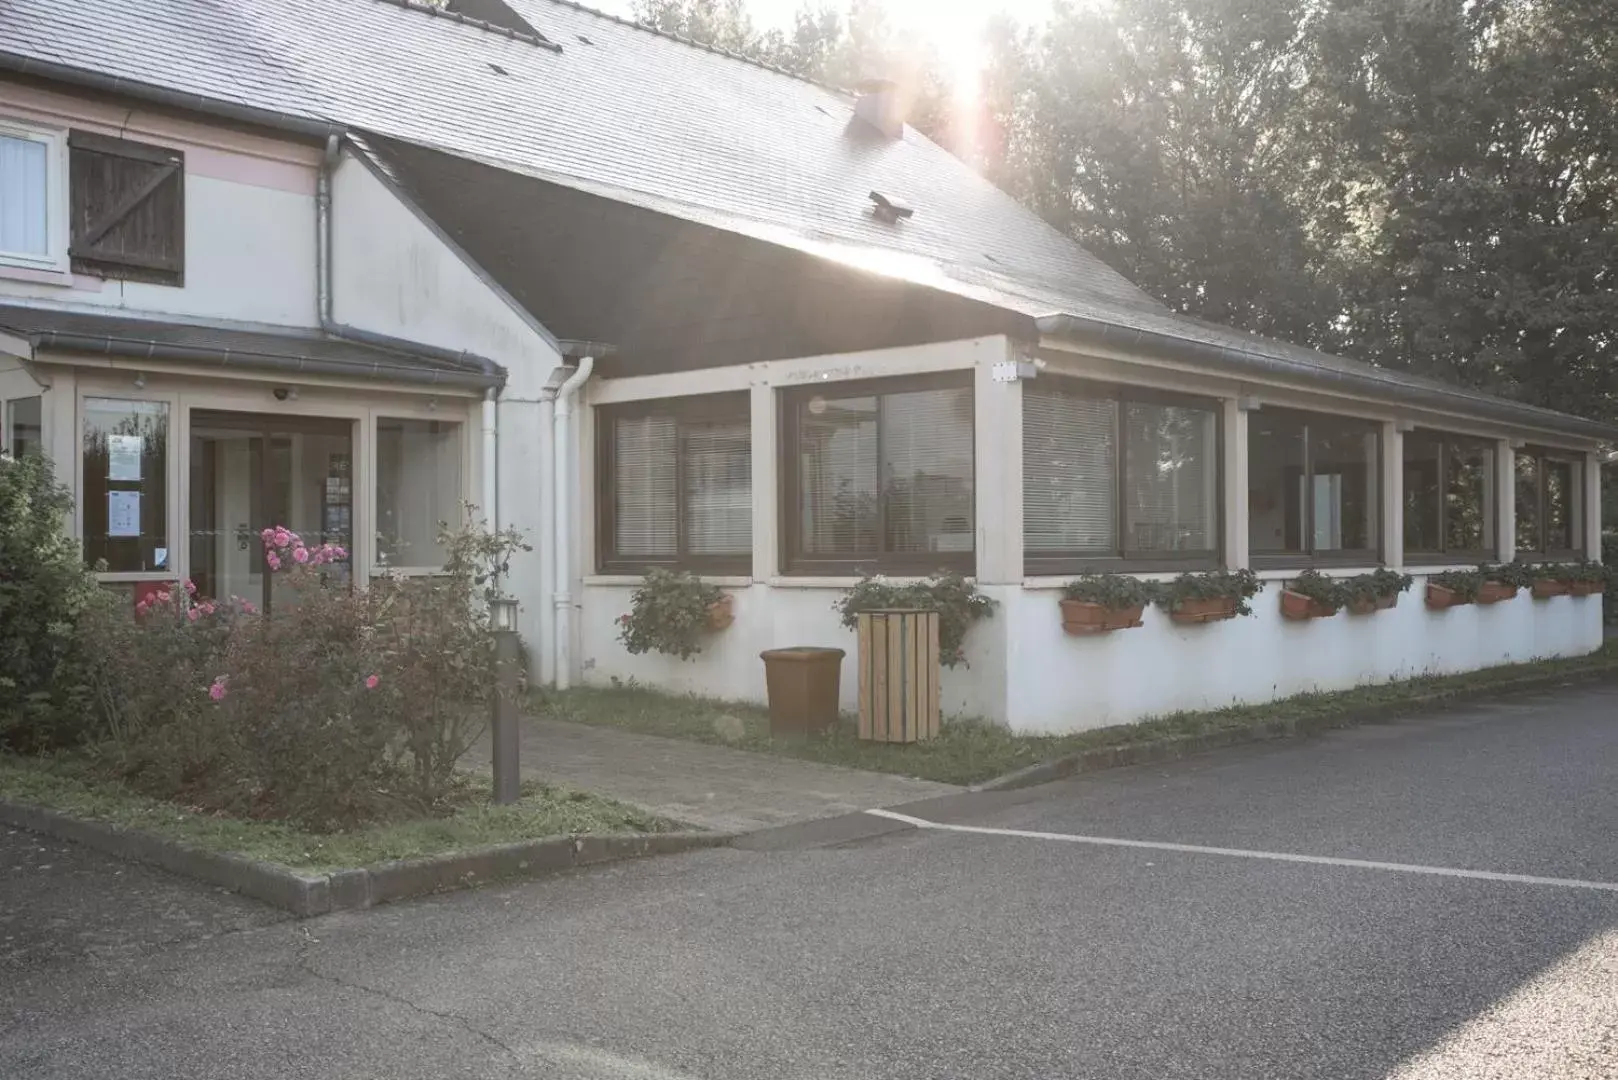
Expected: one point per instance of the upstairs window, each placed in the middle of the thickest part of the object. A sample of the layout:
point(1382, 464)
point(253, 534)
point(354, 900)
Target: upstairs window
point(1118, 475)
point(1449, 496)
point(675, 485)
point(32, 220)
point(127, 209)
point(1550, 518)
point(1312, 487)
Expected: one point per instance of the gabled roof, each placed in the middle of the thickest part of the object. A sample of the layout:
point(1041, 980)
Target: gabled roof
point(641, 118)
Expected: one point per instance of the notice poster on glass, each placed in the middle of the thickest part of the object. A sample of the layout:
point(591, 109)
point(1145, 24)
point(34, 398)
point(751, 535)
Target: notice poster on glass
point(123, 457)
point(123, 513)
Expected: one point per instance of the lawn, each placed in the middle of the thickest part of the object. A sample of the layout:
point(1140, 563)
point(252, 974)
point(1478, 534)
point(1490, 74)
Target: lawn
point(65, 785)
point(970, 752)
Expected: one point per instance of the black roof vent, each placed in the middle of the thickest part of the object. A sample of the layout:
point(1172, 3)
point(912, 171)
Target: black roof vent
point(887, 210)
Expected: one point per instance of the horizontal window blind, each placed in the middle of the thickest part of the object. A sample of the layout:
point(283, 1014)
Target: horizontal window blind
point(716, 463)
point(837, 476)
point(927, 470)
point(1070, 473)
point(645, 519)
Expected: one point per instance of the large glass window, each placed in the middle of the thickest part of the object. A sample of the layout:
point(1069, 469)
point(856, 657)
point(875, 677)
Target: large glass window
point(676, 484)
point(1120, 474)
point(1312, 486)
point(1550, 503)
point(24, 430)
point(1449, 501)
point(125, 484)
point(27, 172)
point(880, 477)
point(418, 488)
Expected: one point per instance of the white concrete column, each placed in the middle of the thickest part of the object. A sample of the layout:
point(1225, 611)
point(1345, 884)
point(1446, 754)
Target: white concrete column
point(1505, 486)
point(997, 432)
point(1235, 475)
point(766, 456)
point(1592, 505)
point(1393, 495)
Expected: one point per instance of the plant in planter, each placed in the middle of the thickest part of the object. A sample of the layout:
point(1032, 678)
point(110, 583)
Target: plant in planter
point(670, 612)
point(1312, 595)
point(1585, 578)
point(957, 601)
point(1209, 596)
point(1453, 588)
point(1096, 603)
point(1552, 579)
point(1502, 582)
point(1376, 591)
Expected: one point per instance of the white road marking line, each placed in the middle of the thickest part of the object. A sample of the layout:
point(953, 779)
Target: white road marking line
point(1241, 853)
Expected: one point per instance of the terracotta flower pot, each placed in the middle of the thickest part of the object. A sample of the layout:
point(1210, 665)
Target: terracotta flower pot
point(1440, 598)
point(1545, 588)
point(1583, 588)
point(1495, 591)
point(1373, 605)
point(720, 613)
point(1295, 605)
point(1081, 617)
point(1211, 609)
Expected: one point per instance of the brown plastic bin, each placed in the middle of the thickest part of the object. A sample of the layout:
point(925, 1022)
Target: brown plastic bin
point(802, 683)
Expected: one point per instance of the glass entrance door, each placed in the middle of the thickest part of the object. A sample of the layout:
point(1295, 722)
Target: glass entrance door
point(251, 472)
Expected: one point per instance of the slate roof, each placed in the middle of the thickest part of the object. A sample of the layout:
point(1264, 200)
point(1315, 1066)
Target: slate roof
point(203, 344)
point(641, 118)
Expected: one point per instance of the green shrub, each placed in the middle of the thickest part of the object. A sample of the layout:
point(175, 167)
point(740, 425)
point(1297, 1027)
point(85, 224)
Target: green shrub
point(957, 601)
point(1116, 592)
point(1465, 584)
point(1516, 574)
point(1321, 589)
point(668, 613)
point(44, 586)
point(1238, 585)
point(1379, 584)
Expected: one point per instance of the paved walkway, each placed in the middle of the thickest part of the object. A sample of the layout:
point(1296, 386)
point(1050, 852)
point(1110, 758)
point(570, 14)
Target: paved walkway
point(713, 787)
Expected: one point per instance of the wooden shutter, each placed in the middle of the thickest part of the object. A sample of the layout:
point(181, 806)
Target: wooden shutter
point(128, 209)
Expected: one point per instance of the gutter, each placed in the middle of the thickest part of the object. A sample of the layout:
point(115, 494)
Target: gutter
point(158, 95)
point(1228, 358)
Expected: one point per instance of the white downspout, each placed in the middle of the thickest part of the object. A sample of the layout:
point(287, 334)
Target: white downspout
point(491, 458)
point(323, 290)
point(561, 494)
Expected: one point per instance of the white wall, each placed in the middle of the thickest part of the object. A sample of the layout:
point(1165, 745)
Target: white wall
point(249, 218)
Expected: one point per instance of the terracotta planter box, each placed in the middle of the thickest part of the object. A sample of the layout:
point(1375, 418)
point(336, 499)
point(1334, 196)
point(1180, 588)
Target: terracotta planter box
point(1584, 588)
point(1200, 611)
point(1495, 591)
point(1297, 606)
point(1370, 607)
point(1081, 617)
point(720, 613)
point(1544, 590)
point(1439, 598)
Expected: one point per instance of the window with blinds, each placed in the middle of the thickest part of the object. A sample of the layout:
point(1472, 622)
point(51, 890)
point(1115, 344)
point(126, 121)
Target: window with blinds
point(1550, 504)
point(881, 477)
point(675, 485)
point(1114, 473)
point(1449, 497)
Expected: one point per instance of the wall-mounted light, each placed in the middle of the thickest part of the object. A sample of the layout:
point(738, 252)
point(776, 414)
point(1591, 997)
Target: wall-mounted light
point(140, 380)
point(502, 613)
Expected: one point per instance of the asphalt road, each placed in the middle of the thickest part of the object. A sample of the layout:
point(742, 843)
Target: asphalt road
point(1037, 947)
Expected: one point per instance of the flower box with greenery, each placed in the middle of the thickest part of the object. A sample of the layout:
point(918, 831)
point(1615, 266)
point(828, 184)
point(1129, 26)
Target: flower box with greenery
point(1208, 596)
point(1097, 603)
point(1552, 579)
point(1501, 581)
point(1453, 588)
point(671, 611)
point(957, 601)
point(1377, 591)
point(1586, 578)
point(1312, 595)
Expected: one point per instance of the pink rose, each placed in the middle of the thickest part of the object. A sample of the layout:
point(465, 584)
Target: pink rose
point(217, 690)
point(192, 614)
point(190, 587)
point(266, 535)
point(247, 606)
point(282, 537)
point(163, 596)
point(300, 555)
point(371, 681)
point(274, 560)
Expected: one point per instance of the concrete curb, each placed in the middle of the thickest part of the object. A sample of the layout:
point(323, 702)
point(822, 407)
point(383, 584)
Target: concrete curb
point(305, 895)
point(1170, 749)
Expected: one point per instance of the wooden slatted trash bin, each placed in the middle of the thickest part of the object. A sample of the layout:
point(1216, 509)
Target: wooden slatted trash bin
point(898, 675)
point(803, 684)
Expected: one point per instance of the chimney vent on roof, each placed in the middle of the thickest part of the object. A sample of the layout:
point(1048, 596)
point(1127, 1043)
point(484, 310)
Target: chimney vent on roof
point(495, 13)
point(885, 209)
point(880, 105)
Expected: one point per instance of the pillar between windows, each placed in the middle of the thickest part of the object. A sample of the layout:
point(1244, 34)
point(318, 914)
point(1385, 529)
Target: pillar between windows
point(1393, 495)
point(1505, 484)
point(1236, 511)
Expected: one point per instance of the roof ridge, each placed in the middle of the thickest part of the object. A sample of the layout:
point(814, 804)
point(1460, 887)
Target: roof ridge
point(438, 12)
point(635, 24)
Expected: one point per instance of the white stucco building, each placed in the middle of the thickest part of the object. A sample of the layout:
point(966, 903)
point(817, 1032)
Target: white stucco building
point(635, 299)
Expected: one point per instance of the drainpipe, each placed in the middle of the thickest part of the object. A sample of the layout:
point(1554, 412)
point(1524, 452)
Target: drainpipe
point(561, 494)
point(491, 458)
point(323, 234)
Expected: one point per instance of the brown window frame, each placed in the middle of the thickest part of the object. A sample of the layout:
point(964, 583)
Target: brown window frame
point(1576, 509)
point(1461, 556)
point(1294, 560)
point(1123, 561)
point(722, 406)
point(84, 258)
point(794, 562)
